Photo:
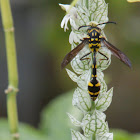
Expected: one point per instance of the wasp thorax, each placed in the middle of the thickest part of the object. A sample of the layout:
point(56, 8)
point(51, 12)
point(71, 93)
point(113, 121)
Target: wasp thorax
point(94, 32)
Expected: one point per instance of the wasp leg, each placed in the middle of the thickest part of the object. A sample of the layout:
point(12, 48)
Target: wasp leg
point(82, 58)
point(104, 56)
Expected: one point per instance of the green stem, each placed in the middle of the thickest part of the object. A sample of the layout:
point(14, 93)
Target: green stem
point(12, 67)
point(93, 137)
point(71, 5)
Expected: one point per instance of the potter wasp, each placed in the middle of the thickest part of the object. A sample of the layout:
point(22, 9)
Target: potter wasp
point(94, 40)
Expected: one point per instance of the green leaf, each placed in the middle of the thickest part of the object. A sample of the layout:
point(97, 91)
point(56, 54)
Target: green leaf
point(122, 135)
point(133, 0)
point(54, 120)
point(26, 132)
point(136, 137)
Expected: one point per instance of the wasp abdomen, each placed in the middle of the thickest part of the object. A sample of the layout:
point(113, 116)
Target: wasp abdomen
point(93, 88)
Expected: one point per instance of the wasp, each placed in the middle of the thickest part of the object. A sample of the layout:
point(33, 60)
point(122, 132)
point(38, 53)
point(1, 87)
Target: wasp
point(94, 40)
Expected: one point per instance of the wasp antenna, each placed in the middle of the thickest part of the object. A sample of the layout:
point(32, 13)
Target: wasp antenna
point(112, 22)
point(83, 26)
point(107, 22)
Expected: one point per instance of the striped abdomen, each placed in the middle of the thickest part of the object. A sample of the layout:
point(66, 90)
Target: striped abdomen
point(93, 88)
point(94, 85)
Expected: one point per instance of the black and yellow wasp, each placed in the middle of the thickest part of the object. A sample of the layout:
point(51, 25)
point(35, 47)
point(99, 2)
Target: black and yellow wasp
point(94, 39)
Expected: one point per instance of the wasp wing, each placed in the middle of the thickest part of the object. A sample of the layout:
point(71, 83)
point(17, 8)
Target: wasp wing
point(116, 52)
point(68, 58)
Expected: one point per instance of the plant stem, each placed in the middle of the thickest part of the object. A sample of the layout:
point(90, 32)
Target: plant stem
point(71, 5)
point(12, 68)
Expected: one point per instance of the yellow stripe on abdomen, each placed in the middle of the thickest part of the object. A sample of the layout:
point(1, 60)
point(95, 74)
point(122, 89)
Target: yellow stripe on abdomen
point(93, 88)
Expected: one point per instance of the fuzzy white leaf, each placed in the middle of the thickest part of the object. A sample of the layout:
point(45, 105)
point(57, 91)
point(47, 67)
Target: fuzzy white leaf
point(106, 136)
point(92, 10)
point(104, 101)
point(77, 135)
point(84, 79)
point(102, 62)
point(86, 120)
point(78, 65)
point(74, 121)
point(74, 37)
point(81, 100)
point(82, 15)
point(95, 124)
point(72, 75)
point(100, 77)
point(100, 14)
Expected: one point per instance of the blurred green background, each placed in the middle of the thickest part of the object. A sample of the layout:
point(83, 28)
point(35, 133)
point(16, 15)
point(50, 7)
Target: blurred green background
point(41, 46)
